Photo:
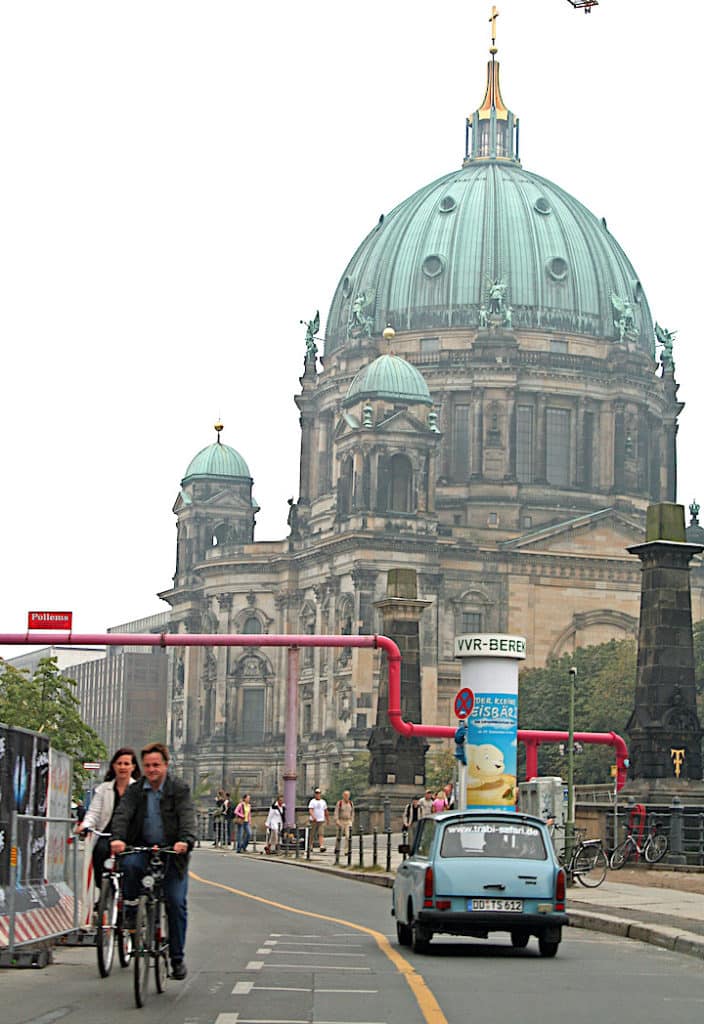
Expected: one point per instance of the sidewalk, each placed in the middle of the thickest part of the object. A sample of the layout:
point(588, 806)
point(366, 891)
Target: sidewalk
point(661, 907)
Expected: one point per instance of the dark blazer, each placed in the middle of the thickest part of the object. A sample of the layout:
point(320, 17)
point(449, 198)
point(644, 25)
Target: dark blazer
point(178, 816)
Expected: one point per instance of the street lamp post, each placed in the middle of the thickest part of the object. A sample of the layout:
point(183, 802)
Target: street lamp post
point(569, 824)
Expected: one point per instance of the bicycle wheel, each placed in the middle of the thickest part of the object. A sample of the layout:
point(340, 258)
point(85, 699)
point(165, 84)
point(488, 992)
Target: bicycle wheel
point(621, 854)
point(141, 954)
point(107, 923)
point(124, 940)
point(655, 848)
point(590, 864)
point(161, 946)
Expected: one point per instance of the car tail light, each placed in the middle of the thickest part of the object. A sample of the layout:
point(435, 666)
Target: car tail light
point(428, 890)
point(443, 904)
point(560, 890)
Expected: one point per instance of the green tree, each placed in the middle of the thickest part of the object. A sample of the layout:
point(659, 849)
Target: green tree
point(440, 767)
point(604, 695)
point(46, 702)
point(354, 776)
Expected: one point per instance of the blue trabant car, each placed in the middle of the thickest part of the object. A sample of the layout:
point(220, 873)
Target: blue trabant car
point(476, 872)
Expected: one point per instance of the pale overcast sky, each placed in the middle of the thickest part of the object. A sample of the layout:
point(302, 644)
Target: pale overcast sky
point(182, 183)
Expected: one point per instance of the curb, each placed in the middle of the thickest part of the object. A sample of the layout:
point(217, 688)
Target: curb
point(677, 940)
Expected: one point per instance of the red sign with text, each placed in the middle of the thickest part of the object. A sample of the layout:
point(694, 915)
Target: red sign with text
point(50, 620)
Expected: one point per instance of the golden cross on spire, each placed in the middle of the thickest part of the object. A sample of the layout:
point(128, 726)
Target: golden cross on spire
point(492, 21)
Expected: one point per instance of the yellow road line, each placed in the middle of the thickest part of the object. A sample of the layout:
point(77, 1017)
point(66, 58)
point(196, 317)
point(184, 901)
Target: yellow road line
point(427, 1003)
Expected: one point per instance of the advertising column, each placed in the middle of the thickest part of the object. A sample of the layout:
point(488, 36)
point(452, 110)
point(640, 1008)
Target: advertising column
point(490, 672)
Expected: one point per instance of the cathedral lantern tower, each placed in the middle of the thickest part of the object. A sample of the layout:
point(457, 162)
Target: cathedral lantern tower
point(214, 506)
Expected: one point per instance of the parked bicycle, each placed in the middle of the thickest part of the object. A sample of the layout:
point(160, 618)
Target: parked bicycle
point(151, 932)
point(110, 927)
point(653, 849)
point(587, 862)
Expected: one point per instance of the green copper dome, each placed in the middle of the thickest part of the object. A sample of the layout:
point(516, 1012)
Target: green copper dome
point(427, 264)
point(392, 378)
point(217, 460)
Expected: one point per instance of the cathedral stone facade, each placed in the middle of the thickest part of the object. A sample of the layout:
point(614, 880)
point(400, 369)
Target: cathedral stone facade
point(494, 408)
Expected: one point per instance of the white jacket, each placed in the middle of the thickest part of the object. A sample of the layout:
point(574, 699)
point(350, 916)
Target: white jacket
point(275, 818)
point(102, 805)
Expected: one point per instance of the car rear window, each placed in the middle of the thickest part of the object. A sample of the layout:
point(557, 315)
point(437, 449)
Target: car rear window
point(493, 839)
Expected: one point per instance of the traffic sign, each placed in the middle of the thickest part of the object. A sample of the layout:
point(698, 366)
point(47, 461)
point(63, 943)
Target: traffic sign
point(464, 702)
point(91, 766)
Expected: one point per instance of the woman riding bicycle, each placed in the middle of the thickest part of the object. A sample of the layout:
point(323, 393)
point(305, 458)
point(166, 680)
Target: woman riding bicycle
point(123, 771)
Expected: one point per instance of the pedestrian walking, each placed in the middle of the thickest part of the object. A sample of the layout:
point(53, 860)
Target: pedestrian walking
point(439, 802)
point(243, 817)
point(344, 820)
point(411, 816)
point(426, 804)
point(275, 825)
point(228, 815)
point(319, 817)
point(219, 818)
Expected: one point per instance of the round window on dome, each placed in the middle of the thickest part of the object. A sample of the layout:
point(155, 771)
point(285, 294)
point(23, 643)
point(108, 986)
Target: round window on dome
point(541, 205)
point(433, 266)
point(347, 287)
point(447, 204)
point(557, 268)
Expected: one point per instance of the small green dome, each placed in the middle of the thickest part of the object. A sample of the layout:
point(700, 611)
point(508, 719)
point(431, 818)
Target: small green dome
point(392, 378)
point(218, 460)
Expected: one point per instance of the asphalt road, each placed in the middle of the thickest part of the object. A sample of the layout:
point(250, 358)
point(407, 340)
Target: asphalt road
point(271, 943)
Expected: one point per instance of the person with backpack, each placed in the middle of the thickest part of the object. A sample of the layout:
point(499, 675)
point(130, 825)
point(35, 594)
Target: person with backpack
point(344, 819)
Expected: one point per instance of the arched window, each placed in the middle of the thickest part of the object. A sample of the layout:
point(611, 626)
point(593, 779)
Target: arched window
point(400, 484)
point(252, 625)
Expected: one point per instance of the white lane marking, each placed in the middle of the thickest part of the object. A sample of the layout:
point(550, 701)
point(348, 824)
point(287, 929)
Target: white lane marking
point(279, 988)
point(227, 1018)
point(242, 988)
point(293, 940)
point(313, 967)
point(355, 991)
point(310, 952)
point(254, 965)
point(271, 942)
point(325, 945)
point(264, 952)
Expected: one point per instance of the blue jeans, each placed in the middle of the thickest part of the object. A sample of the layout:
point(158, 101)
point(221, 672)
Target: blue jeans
point(244, 834)
point(134, 866)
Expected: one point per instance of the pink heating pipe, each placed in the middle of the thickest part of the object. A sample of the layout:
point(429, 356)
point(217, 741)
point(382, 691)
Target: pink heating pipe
point(531, 737)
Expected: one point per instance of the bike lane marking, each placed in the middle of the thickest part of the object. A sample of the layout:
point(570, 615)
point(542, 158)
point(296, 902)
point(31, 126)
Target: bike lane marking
point(427, 1003)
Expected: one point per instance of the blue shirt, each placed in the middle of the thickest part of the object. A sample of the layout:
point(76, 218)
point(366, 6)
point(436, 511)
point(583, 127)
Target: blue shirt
point(153, 829)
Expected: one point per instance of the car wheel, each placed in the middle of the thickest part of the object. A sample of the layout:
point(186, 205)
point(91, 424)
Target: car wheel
point(420, 938)
point(547, 947)
point(519, 940)
point(403, 934)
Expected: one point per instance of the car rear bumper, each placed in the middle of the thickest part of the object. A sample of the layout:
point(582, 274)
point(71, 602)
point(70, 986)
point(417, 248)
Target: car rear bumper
point(469, 923)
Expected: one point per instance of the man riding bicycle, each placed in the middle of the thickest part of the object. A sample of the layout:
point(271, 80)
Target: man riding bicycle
point(158, 811)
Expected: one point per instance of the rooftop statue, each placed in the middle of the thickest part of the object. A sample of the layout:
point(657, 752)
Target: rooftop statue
point(496, 291)
point(624, 322)
point(312, 328)
point(360, 322)
point(666, 339)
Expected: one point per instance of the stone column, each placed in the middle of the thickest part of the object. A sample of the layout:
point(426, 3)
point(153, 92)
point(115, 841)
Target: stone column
point(397, 759)
point(664, 729)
